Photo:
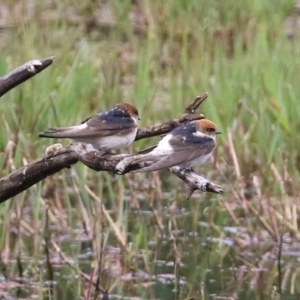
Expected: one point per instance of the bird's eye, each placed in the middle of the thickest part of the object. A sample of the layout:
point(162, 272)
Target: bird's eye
point(210, 129)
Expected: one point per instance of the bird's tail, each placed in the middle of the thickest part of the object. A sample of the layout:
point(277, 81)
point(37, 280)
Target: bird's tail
point(58, 132)
point(136, 159)
point(151, 160)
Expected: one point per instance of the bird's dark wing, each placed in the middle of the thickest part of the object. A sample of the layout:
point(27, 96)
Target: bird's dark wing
point(100, 125)
point(191, 147)
point(185, 150)
point(109, 125)
point(147, 150)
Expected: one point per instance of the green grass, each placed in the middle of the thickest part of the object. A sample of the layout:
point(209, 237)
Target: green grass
point(238, 52)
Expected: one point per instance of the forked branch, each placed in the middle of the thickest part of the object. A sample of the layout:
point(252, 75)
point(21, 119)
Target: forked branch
point(58, 158)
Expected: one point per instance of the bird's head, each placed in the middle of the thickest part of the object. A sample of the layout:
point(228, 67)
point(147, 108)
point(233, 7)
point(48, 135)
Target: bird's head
point(207, 127)
point(130, 109)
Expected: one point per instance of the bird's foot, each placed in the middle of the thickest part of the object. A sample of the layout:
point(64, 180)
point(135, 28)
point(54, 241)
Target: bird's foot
point(52, 150)
point(106, 152)
point(123, 164)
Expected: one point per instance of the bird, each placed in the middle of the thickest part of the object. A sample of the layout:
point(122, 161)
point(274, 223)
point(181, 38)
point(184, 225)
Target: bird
point(186, 146)
point(110, 130)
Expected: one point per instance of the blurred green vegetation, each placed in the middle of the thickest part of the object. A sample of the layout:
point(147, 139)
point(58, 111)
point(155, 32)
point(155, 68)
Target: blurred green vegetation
point(158, 55)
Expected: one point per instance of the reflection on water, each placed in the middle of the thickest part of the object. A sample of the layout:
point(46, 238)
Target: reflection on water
point(179, 250)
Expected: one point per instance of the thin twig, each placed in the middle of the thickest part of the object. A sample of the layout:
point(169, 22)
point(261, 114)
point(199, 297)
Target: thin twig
point(279, 263)
point(70, 264)
point(196, 103)
point(114, 226)
point(233, 154)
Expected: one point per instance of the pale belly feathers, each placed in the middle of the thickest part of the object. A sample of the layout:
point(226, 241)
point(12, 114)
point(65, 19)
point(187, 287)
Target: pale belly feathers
point(110, 142)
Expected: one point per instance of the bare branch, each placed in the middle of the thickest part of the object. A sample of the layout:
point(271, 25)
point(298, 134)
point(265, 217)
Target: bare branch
point(23, 73)
point(34, 172)
point(196, 103)
point(98, 162)
point(58, 158)
point(195, 181)
point(166, 127)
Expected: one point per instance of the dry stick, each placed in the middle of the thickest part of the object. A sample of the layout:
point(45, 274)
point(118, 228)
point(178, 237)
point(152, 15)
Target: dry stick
point(279, 253)
point(85, 218)
point(280, 240)
point(166, 127)
point(233, 154)
point(195, 182)
point(231, 213)
point(288, 269)
point(58, 158)
point(113, 225)
point(8, 156)
point(23, 73)
point(100, 259)
point(294, 281)
point(287, 224)
point(70, 264)
point(262, 220)
point(49, 268)
point(34, 172)
point(87, 292)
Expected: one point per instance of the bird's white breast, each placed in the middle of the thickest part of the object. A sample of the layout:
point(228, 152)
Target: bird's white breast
point(164, 146)
point(112, 142)
point(196, 161)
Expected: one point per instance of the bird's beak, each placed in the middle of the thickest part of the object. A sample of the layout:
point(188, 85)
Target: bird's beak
point(218, 132)
point(139, 118)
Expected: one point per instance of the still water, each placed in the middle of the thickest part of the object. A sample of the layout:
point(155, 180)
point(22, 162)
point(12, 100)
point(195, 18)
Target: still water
point(173, 250)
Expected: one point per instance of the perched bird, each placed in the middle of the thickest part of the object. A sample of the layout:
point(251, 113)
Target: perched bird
point(109, 130)
point(186, 146)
